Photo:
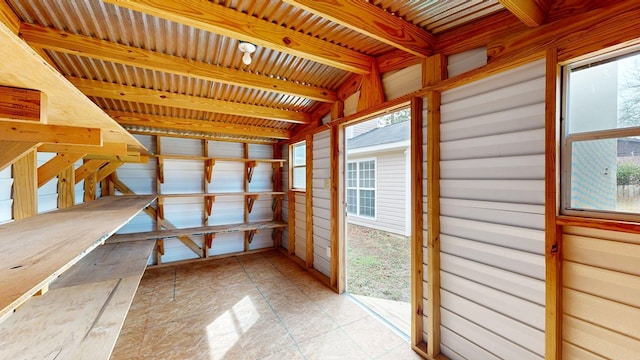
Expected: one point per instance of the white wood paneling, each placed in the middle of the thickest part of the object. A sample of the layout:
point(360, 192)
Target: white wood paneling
point(47, 193)
point(467, 60)
point(6, 201)
point(401, 82)
point(492, 216)
point(301, 226)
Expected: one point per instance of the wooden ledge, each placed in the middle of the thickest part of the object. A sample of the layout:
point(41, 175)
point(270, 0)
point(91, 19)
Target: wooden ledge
point(84, 309)
point(36, 250)
point(214, 229)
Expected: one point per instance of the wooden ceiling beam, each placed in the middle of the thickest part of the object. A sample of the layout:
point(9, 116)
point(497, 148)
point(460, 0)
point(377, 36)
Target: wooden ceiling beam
point(8, 17)
point(219, 19)
point(62, 41)
point(181, 124)
point(105, 149)
point(529, 12)
point(366, 18)
point(58, 134)
point(55, 166)
point(147, 96)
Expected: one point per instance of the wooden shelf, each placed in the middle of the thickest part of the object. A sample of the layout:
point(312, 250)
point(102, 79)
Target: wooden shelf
point(258, 193)
point(84, 309)
point(201, 230)
point(36, 250)
point(194, 157)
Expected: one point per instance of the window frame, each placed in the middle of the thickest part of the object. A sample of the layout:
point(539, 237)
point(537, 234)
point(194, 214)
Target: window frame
point(294, 166)
point(567, 140)
point(357, 188)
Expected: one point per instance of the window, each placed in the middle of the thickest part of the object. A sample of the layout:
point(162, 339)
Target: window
point(361, 188)
point(601, 147)
point(299, 167)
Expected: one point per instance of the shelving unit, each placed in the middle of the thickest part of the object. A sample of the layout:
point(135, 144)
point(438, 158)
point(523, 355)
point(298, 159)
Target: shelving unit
point(201, 246)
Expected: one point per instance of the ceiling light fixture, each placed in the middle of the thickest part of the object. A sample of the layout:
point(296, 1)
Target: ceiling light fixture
point(247, 49)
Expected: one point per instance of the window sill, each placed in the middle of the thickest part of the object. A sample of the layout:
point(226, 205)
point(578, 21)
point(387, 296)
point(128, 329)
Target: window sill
point(601, 224)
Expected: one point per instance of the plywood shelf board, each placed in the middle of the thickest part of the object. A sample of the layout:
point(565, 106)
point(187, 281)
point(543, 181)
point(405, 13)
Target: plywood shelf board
point(35, 250)
point(214, 229)
point(195, 157)
point(223, 194)
point(23, 68)
point(84, 309)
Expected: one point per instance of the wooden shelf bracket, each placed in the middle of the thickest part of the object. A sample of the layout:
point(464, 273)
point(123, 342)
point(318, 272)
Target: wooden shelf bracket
point(208, 169)
point(208, 203)
point(251, 165)
point(251, 199)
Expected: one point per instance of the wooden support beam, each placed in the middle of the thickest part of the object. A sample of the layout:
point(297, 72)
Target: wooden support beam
point(90, 186)
point(86, 46)
point(434, 70)
point(129, 119)
point(208, 169)
point(235, 24)
point(66, 188)
point(160, 171)
point(134, 94)
point(367, 18)
point(372, 90)
point(107, 170)
point(337, 272)
point(36, 132)
point(111, 149)
point(8, 17)
point(25, 186)
point(433, 223)
point(309, 201)
point(131, 157)
point(11, 151)
point(53, 167)
point(251, 200)
point(529, 12)
point(23, 104)
point(553, 231)
point(88, 168)
point(208, 239)
point(208, 203)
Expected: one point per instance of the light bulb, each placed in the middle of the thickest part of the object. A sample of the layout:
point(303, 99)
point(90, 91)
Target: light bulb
point(246, 58)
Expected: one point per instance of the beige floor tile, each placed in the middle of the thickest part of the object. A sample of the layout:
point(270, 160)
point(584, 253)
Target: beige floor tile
point(374, 337)
point(401, 352)
point(288, 353)
point(332, 345)
point(307, 324)
point(342, 309)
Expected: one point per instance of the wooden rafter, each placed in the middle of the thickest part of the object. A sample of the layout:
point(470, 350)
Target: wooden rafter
point(229, 22)
point(529, 12)
point(181, 124)
point(366, 18)
point(147, 96)
point(8, 17)
point(60, 134)
point(47, 38)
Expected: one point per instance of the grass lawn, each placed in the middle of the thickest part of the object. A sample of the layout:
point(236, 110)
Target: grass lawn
point(378, 264)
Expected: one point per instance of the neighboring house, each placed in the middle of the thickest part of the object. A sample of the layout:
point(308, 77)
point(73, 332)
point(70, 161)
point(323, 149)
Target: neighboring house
point(377, 177)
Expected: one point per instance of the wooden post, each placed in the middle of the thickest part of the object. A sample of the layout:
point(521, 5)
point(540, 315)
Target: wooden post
point(433, 223)
point(309, 200)
point(66, 188)
point(25, 186)
point(337, 210)
point(160, 202)
point(208, 201)
point(553, 232)
point(90, 179)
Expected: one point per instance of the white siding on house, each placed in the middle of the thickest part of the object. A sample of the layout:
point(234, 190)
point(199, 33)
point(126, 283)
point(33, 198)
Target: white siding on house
point(467, 60)
point(47, 193)
point(321, 201)
point(401, 82)
point(391, 196)
point(6, 200)
point(492, 217)
point(285, 202)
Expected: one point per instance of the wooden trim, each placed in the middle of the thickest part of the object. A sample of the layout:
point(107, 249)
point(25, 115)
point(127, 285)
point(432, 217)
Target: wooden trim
point(417, 224)
point(601, 224)
point(317, 274)
point(113, 149)
point(37, 132)
point(309, 201)
point(25, 186)
point(86, 46)
point(553, 232)
point(231, 23)
point(23, 104)
point(372, 89)
point(8, 17)
point(528, 11)
point(433, 223)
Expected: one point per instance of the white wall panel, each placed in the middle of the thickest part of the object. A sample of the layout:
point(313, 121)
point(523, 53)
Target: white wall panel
point(6, 201)
point(492, 216)
point(262, 179)
point(227, 176)
point(301, 225)
point(401, 82)
point(321, 201)
point(47, 193)
point(226, 149)
point(181, 146)
point(465, 61)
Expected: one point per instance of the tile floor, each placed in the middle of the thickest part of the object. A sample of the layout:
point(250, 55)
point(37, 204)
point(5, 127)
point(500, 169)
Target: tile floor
point(259, 306)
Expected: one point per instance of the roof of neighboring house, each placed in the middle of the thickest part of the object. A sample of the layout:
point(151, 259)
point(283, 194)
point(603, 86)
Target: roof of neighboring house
point(383, 135)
